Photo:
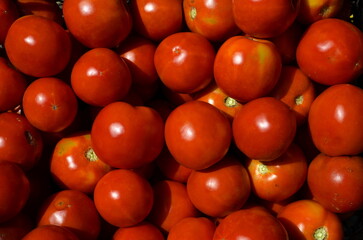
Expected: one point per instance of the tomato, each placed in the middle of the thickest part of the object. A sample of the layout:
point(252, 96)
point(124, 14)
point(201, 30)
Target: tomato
point(281, 178)
point(185, 55)
point(51, 232)
point(264, 18)
point(171, 204)
point(74, 164)
point(264, 128)
point(296, 90)
point(191, 128)
point(312, 11)
point(246, 68)
point(343, 175)
point(326, 54)
point(250, 223)
point(141, 231)
point(125, 136)
point(73, 210)
point(17, 227)
point(212, 19)
point(39, 41)
point(192, 228)
point(50, 104)
point(307, 219)
point(157, 19)
point(123, 198)
point(96, 23)
point(8, 14)
point(100, 77)
point(336, 120)
point(14, 191)
point(219, 189)
point(20, 142)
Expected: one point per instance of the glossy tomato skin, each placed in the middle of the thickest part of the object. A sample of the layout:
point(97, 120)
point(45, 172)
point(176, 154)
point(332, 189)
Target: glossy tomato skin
point(250, 223)
point(125, 136)
point(157, 19)
point(51, 232)
point(343, 175)
point(212, 19)
point(39, 41)
point(265, 18)
point(311, 11)
point(96, 23)
point(185, 55)
point(123, 198)
point(264, 128)
point(142, 231)
point(43, 8)
point(335, 120)
point(14, 191)
point(17, 227)
point(192, 228)
point(8, 14)
point(220, 189)
point(307, 219)
point(73, 210)
point(192, 127)
point(246, 68)
point(326, 54)
point(100, 77)
point(50, 104)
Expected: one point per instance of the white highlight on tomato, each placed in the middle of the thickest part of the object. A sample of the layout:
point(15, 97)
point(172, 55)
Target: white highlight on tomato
point(187, 132)
point(116, 129)
point(237, 58)
point(325, 46)
point(212, 184)
point(150, 7)
point(71, 163)
point(30, 40)
point(85, 8)
point(262, 123)
point(339, 114)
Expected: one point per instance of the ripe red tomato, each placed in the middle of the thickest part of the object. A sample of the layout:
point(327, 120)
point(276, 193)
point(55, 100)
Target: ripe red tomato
point(192, 228)
point(39, 41)
point(74, 165)
point(185, 55)
point(50, 104)
point(307, 219)
point(191, 128)
point(265, 18)
point(343, 175)
point(97, 23)
point(281, 178)
point(14, 191)
point(220, 189)
point(51, 232)
point(141, 231)
point(17, 227)
point(100, 77)
point(336, 120)
point(73, 210)
point(125, 136)
point(326, 54)
point(8, 14)
point(264, 128)
point(246, 68)
point(20, 142)
point(311, 11)
point(123, 198)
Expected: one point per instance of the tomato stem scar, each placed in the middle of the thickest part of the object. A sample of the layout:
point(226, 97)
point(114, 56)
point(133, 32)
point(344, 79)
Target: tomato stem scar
point(193, 13)
point(230, 102)
point(299, 100)
point(321, 234)
point(262, 168)
point(91, 155)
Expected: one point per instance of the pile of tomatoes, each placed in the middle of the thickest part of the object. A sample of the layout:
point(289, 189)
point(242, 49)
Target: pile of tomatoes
point(181, 120)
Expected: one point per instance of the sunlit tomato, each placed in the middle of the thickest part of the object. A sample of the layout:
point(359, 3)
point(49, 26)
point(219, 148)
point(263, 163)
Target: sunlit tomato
point(220, 189)
point(8, 14)
point(73, 210)
point(50, 104)
point(125, 136)
point(308, 220)
point(39, 41)
point(100, 77)
point(141, 231)
point(14, 191)
point(123, 198)
point(193, 127)
point(43, 8)
point(212, 19)
point(326, 54)
point(20, 142)
point(250, 223)
point(17, 227)
point(185, 55)
point(171, 204)
point(279, 179)
point(157, 19)
point(336, 120)
point(51, 232)
point(97, 23)
point(296, 90)
point(192, 228)
point(264, 128)
point(343, 175)
point(246, 68)
point(311, 11)
point(264, 18)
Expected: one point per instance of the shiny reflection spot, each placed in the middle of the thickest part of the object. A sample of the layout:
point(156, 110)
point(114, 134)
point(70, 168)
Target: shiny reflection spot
point(115, 195)
point(150, 7)
point(40, 98)
point(92, 72)
point(57, 218)
point(210, 4)
point(338, 178)
point(243, 238)
point(187, 132)
point(2, 142)
point(30, 40)
point(180, 55)
point(237, 58)
point(325, 46)
point(262, 123)
point(339, 114)
point(71, 163)
point(116, 129)
point(212, 184)
point(85, 8)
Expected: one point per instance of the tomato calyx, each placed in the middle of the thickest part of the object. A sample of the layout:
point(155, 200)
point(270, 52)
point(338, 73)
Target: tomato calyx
point(320, 233)
point(193, 13)
point(262, 169)
point(299, 100)
point(230, 102)
point(91, 155)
